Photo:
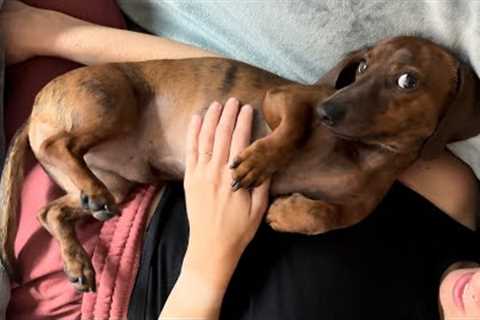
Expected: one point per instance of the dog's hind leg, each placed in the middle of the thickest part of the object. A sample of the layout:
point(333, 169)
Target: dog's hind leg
point(59, 218)
point(63, 154)
point(298, 214)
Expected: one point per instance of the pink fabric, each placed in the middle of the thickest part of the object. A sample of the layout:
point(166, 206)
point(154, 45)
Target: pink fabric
point(116, 259)
point(45, 292)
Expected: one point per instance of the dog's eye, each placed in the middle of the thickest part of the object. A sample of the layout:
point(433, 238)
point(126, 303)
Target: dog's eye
point(362, 67)
point(407, 81)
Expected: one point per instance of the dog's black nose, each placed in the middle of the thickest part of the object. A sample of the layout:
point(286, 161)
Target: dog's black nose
point(331, 114)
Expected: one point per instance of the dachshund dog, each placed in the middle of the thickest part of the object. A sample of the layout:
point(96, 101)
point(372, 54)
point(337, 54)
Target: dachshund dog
point(333, 148)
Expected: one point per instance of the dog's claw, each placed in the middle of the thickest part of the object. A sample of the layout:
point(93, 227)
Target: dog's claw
point(235, 163)
point(235, 185)
point(103, 215)
point(101, 206)
point(79, 270)
point(84, 200)
point(253, 166)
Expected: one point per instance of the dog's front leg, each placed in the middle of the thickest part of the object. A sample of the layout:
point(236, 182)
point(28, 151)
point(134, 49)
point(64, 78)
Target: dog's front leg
point(288, 111)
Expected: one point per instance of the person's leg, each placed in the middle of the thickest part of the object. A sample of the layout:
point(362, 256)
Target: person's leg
point(80, 41)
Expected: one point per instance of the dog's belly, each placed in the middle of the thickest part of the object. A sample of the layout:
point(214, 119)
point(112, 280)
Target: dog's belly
point(122, 157)
point(155, 150)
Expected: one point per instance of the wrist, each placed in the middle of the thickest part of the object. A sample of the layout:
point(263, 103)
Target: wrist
point(198, 293)
point(209, 285)
point(214, 268)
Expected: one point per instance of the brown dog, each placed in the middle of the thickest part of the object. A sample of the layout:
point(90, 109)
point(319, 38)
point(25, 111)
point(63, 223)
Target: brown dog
point(340, 143)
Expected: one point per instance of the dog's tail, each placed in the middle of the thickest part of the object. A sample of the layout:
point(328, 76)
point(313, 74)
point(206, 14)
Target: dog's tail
point(10, 191)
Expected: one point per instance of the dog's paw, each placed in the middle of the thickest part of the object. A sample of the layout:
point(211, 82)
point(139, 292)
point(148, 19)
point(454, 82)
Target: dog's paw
point(79, 270)
point(253, 166)
point(100, 204)
point(298, 214)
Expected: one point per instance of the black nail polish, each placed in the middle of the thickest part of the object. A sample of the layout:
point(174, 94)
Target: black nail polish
point(236, 185)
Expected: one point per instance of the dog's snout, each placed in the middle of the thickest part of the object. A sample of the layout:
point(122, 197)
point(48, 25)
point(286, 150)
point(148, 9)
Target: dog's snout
point(331, 114)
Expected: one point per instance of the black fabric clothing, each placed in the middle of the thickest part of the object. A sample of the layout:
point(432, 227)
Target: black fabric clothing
point(386, 267)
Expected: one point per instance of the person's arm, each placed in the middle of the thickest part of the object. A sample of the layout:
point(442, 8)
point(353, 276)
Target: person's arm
point(30, 31)
point(449, 184)
point(222, 221)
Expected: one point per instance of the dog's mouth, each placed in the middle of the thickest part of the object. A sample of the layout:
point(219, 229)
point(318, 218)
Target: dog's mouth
point(339, 134)
point(366, 140)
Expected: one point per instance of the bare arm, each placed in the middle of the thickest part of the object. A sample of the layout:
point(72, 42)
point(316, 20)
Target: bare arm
point(73, 39)
point(449, 184)
point(222, 221)
point(92, 44)
point(199, 290)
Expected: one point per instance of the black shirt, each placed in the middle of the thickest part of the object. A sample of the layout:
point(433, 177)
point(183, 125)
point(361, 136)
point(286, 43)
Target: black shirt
point(386, 267)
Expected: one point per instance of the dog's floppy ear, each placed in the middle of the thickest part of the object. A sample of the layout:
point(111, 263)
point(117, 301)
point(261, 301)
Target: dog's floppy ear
point(461, 120)
point(344, 73)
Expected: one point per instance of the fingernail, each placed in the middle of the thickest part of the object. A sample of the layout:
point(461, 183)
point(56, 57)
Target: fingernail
point(215, 105)
point(233, 100)
point(247, 107)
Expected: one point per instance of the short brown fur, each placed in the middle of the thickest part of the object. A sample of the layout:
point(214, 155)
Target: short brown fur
point(100, 130)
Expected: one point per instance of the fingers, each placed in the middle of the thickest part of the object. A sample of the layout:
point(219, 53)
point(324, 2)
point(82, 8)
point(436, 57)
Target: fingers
point(207, 132)
point(192, 143)
point(220, 136)
point(242, 133)
point(260, 200)
point(223, 135)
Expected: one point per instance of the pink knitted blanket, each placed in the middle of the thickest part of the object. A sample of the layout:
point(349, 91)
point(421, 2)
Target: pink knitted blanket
point(115, 247)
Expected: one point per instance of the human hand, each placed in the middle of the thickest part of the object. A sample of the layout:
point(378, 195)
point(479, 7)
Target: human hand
point(222, 221)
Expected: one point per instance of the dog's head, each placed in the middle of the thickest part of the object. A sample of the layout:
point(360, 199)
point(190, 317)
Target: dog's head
point(402, 94)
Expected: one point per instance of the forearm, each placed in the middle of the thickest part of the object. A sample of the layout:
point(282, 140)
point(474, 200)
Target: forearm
point(199, 290)
point(459, 198)
point(92, 44)
point(87, 43)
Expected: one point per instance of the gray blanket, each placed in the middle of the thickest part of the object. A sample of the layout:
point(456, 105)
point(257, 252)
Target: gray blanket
point(302, 39)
